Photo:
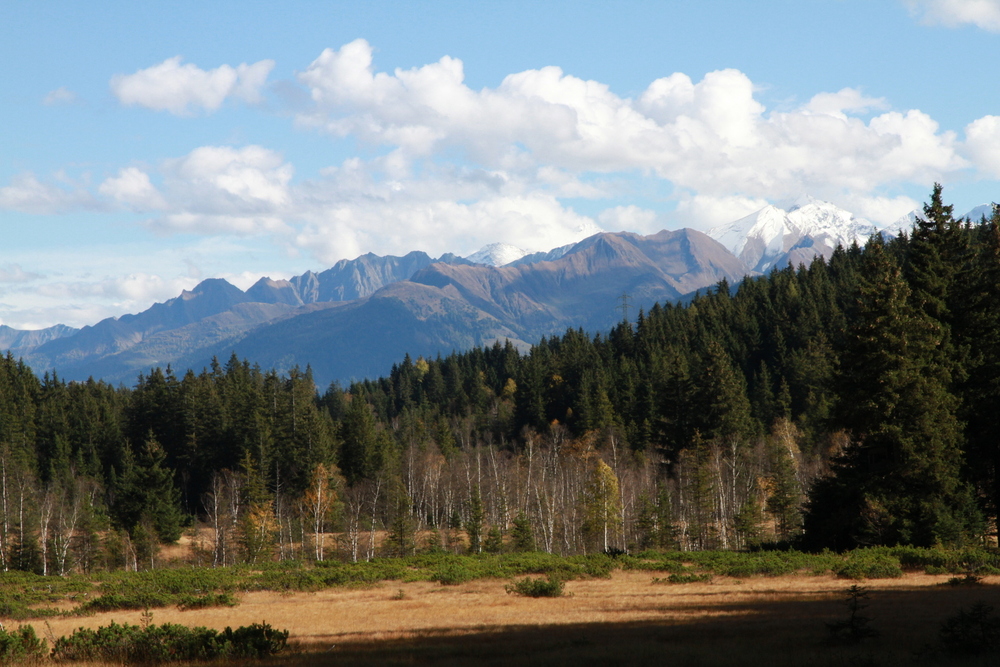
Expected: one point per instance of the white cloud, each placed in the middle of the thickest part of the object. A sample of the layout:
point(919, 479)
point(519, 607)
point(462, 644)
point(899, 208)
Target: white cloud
point(983, 144)
point(222, 190)
point(984, 14)
point(630, 218)
point(846, 100)
point(349, 213)
point(13, 273)
point(133, 188)
point(251, 177)
point(67, 286)
point(712, 137)
point(183, 89)
point(705, 211)
point(880, 210)
point(29, 195)
point(60, 96)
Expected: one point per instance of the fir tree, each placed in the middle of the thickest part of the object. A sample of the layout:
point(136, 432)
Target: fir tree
point(898, 482)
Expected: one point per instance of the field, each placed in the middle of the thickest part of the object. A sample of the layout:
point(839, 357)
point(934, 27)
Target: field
point(629, 617)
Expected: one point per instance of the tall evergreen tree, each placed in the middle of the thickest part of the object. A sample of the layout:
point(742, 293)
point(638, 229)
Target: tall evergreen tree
point(898, 482)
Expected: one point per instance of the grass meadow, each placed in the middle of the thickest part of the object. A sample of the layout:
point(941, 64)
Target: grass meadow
point(773, 608)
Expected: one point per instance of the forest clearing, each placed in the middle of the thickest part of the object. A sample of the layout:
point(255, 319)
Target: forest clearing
point(626, 618)
point(698, 608)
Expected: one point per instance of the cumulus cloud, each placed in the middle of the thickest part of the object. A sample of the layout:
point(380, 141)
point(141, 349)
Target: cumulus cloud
point(133, 188)
point(216, 190)
point(984, 14)
point(983, 144)
point(711, 137)
point(630, 218)
point(60, 96)
point(351, 211)
point(184, 89)
point(707, 211)
point(846, 100)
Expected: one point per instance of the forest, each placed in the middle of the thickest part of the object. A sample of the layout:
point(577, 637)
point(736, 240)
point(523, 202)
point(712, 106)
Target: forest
point(852, 402)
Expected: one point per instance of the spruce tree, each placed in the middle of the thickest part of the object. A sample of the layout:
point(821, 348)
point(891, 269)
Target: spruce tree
point(898, 482)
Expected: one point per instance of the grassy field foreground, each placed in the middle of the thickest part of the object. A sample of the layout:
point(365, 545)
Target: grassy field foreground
point(676, 608)
point(627, 618)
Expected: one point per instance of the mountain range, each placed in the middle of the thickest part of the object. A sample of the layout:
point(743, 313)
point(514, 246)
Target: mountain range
point(359, 317)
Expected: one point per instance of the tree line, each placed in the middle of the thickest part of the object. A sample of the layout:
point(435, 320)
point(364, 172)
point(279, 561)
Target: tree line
point(846, 403)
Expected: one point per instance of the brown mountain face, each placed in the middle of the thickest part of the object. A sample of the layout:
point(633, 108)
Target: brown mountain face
point(445, 305)
point(583, 287)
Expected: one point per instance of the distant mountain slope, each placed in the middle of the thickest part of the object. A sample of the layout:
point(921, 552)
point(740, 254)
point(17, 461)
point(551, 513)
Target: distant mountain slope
point(213, 311)
point(20, 338)
point(364, 338)
point(357, 278)
point(447, 307)
point(359, 317)
point(546, 256)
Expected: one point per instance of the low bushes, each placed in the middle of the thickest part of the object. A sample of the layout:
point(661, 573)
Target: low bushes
point(678, 578)
point(870, 564)
point(452, 574)
point(536, 588)
point(168, 642)
point(20, 645)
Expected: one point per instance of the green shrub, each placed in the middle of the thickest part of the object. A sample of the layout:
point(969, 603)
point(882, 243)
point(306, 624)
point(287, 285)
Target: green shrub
point(257, 640)
point(678, 578)
point(599, 565)
point(537, 588)
point(168, 642)
point(188, 602)
point(115, 601)
point(20, 645)
point(452, 574)
point(869, 564)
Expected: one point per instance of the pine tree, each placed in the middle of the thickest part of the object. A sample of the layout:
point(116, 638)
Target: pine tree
point(474, 524)
point(979, 316)
point(494, 540)
point(360, 453)
point(898, 482)
point(522, 538)
point(145, 493)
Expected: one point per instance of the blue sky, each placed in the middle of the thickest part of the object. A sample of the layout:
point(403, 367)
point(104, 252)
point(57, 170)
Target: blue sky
point(147, 146)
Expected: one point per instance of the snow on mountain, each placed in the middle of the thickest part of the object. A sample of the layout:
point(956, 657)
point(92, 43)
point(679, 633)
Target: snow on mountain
point(908, 221)
point(545, 256)
point(773, 237)
point(976, 214)
point(903, 224)
point(497, 254)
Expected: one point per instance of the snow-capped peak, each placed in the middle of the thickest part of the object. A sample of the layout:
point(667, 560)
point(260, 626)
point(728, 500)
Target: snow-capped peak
point(977, 214)
point(497, 254)
point(772, 235)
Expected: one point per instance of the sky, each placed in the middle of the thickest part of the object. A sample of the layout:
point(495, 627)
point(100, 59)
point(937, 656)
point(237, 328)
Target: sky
point(148, 146)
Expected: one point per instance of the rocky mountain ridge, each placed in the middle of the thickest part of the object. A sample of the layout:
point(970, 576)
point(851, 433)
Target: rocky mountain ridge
point(360, 316)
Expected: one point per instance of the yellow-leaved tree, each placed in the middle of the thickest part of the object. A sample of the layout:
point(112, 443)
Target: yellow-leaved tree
point(602, 507)
point(321, 502)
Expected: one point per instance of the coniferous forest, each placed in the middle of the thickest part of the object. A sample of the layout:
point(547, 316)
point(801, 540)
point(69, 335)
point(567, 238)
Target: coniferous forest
point(851, 402)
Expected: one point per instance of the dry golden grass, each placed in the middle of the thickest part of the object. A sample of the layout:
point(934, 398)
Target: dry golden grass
point(624, 619)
